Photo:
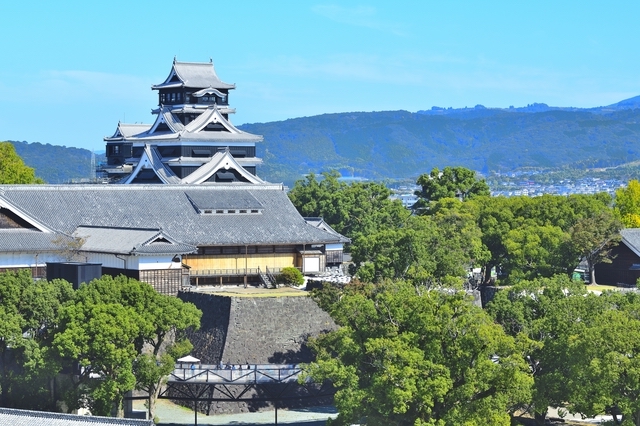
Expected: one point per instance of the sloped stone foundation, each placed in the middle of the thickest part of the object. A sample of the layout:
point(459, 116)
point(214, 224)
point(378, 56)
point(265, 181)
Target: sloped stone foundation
point(257, 330)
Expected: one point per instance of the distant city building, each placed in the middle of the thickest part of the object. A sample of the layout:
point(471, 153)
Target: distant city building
point(191, 141)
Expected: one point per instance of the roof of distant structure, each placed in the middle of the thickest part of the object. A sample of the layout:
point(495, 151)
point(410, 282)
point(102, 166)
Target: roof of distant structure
point(261, 214)
point(130, 241)
point(199, 75)
point(220, 162)
point(319, 223)
point(14, 417)
point(194, 131)
point(631, 238)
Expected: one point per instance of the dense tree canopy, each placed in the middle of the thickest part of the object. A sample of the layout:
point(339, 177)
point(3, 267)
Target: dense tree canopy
point(627, 205)
point(426, 249)
point(352, 209)
point(452, 182)
point(407, 355)
point(12, 168)
point(115, 328)
point(29, 317)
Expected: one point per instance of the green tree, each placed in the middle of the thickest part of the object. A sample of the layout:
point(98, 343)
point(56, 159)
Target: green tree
point(627, 204)
point(405, 355)
point(164, 343)
point(12, 168)
point(117, 327)
point(452, 182)
point(436, 249)
point(605, 378)
point(28, 317)
point(539, 236)
point(593, 237)
point(536, 251)
point(351, 209)
point(544, 315)
point(290, 276)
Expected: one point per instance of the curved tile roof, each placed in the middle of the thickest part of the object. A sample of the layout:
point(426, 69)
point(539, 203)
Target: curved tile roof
point(168, 207)
point(198, 75)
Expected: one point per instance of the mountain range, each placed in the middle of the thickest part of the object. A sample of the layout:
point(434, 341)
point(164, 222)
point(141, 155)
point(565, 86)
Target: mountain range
point(403, 145)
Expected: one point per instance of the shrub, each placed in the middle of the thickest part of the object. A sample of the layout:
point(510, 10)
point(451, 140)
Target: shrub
point(290, 276)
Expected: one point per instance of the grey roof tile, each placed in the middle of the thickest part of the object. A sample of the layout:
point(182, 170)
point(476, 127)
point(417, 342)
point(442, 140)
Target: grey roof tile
point(14, 417)
point(197, 75)
point(130, 241)
point(167, 207)
point(631, 237)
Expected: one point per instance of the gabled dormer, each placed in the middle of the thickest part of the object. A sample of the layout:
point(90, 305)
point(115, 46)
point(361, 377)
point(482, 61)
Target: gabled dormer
point(13, 218)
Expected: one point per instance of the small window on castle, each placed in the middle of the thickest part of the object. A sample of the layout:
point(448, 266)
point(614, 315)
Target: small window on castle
point(223, 99)
point(187, 97)
point(219, 211)
point(242, 211)
point(208, 211)
point(231, 211)
point(173, 97)
point(179, 96)
point(254, 211)
point(162, 98)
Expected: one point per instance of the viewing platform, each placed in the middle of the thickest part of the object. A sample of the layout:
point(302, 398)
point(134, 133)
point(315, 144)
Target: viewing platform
point(235, 374)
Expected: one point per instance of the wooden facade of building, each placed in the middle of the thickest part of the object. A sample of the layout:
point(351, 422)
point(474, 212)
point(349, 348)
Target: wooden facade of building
point(625, 266)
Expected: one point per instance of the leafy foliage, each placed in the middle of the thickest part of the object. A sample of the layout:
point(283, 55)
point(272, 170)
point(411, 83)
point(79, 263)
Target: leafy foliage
point(12, 168)
point(434, 249)
point(351, 209)
point(290, 276)
point(452, 182)
point(627, 206)
point(116, 328)
point(29, 313)
point(405, 355)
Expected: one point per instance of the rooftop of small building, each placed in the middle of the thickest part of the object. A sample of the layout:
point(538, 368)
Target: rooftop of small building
point(15, 417)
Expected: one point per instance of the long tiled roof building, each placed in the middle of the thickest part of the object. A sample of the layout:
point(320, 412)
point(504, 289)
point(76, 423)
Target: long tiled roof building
point(167, 235)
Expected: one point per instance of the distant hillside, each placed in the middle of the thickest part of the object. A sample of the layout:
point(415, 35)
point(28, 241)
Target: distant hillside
point(400, 144)
point(55, 164)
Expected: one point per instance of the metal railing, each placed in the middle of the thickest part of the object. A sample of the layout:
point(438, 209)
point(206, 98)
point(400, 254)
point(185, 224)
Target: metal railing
point(235, 374)
point(224, 272)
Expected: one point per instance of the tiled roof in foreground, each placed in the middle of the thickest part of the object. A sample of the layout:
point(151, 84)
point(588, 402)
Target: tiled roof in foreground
point(13, 417)
point(171, 208)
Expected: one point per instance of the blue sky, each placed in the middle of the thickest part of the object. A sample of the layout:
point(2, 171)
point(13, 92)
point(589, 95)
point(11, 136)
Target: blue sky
point(72, 69)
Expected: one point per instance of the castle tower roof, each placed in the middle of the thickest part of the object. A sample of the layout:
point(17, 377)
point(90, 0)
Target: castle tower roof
point(200, 75)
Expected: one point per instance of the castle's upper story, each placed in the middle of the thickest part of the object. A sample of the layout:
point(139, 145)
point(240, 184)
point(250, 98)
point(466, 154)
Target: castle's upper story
point(191, 129)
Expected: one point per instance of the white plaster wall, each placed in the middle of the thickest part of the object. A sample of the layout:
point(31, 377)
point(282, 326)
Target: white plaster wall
point(158, 262)
point(27, 260)
point(111, 261)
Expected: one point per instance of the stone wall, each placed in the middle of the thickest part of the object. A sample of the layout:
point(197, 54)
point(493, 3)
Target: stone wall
point(256, 330)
